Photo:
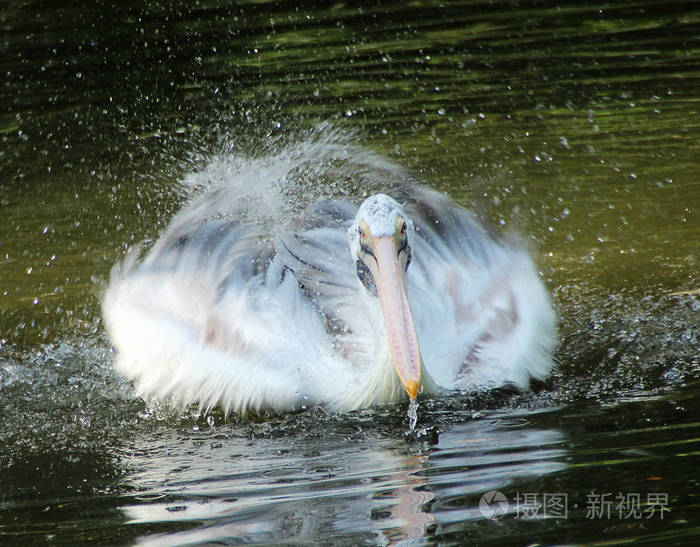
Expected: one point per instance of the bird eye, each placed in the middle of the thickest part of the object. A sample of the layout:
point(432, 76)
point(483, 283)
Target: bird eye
point(361, 232)
point(403, 227)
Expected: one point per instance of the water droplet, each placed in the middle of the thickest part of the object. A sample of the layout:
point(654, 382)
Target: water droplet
point(412, 414)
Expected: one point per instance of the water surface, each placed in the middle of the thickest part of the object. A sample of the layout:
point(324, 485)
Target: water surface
point(575, 125)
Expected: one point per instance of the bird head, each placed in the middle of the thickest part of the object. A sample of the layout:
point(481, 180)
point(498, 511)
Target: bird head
point(381, 239)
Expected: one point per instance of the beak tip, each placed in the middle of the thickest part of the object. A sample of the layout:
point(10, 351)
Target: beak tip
point(412, 388)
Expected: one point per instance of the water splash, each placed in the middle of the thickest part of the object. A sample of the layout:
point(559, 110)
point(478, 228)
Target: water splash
point(412, 415)
point(289, 173)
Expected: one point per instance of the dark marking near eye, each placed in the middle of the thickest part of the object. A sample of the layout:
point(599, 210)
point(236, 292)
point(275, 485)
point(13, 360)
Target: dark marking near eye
point(366, 249)
point(366, 277)
point(405, 248)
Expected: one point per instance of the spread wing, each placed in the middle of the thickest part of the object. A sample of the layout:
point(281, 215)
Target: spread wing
point(213, 314)
point(481, 311)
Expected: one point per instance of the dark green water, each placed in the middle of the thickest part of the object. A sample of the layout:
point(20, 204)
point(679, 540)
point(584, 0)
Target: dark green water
point(574, 124)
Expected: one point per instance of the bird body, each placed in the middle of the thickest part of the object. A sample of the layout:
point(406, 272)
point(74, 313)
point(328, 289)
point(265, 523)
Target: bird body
point(343, 305)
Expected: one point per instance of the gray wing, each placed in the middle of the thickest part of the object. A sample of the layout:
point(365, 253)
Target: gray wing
point(481, 311)
point(315, 248)
point(451, 230)
point(225, 253)
point(231, 257)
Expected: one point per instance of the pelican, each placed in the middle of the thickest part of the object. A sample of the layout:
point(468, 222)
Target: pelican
point(345, 306)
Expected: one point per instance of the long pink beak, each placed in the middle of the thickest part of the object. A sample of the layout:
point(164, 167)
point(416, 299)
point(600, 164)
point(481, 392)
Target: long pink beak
point(400, 329)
